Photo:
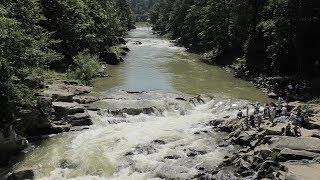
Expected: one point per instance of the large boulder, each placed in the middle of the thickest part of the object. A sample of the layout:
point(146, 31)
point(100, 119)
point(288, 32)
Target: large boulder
point(296, 143)
point(245, 138)
point(109, 58)
point(85, 99)
point(58, 95)
point(289, 154)
point(80, 119)
point(22, 175)
point(64, 109)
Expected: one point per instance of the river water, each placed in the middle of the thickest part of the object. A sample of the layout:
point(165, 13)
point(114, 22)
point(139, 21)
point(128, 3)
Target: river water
point(170, 140)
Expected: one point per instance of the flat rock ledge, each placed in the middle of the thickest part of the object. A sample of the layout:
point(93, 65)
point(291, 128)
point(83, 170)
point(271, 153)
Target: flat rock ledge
point(69, 105)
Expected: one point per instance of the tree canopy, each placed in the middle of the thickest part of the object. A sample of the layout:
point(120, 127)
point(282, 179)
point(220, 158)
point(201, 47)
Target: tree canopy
point(271, 36)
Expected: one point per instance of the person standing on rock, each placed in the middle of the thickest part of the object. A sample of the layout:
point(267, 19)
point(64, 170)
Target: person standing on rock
point(259, 120)
point(273, 114)
point(252, 121)
point(266, 111)
point(239, 114)
point(246, 119)
point(257, 108)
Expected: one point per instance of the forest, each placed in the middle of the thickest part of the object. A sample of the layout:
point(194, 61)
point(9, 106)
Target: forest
point(61, 35)
point(141, 9)
point(273, 37)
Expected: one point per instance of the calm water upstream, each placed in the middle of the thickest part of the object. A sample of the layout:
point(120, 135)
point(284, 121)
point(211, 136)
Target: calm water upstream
point(170, 141)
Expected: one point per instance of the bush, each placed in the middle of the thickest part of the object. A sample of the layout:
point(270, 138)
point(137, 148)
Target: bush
point(87, 67)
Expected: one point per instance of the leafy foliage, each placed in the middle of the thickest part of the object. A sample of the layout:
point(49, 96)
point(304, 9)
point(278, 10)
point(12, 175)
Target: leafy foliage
point(87, 67)
point(36, 35)
point(268, 34)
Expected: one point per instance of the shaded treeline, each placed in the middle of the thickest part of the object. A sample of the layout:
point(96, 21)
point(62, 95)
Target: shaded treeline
point(274, 37)
point(37, 35)
point(141, 8)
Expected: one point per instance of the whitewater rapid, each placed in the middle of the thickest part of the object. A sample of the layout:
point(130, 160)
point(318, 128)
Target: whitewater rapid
point(174, 141)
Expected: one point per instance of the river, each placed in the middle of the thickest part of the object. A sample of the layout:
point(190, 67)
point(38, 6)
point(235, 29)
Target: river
point(172, 140)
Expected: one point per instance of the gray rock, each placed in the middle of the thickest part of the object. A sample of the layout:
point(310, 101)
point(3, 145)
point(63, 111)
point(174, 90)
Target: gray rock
point(22, 175)
point(58, 95)
point(68, 107)
point(109, 58)
point(289, 154)
point(296, 143)
point(85, 99)
point(78, 90)
point(245, 138)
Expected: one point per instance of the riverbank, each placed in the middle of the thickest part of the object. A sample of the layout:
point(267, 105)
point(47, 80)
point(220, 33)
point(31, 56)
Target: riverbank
point(266, 152)
point(60, 106)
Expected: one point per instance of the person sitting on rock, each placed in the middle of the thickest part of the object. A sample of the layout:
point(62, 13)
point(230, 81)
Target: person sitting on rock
point(305, 122)
point(288, 130)
point(296, 131)
point(239, 114)
point(257, 108)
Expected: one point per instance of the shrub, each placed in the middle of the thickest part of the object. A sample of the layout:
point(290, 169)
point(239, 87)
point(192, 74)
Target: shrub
point(87, 67)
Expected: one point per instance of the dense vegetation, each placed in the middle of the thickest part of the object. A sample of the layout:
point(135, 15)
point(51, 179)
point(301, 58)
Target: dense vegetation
point(141, 8)
point(276, 37)
point(37, 35)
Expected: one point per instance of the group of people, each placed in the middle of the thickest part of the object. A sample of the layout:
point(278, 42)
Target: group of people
point(276, 112)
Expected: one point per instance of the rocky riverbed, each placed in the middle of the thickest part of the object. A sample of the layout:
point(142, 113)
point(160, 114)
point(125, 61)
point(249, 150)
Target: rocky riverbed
point(61, 108)
point(265, 153)
point(197, 133)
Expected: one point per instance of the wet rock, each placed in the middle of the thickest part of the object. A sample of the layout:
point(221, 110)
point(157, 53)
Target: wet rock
point(137, 43)
point(58, 95)
point(289, 154)
point(172, 157)
point(145, 149)
point(129, 154)
point(158, 141)
point(125, 48)
point(85, 99)
point(80, 119)
point(215, 122)
point(22, 175)
point(123, 53)
point(223, 144)
point(67, 164)
point(181, 99)
point(193, 153)
point(133, 111)
point(121, 40)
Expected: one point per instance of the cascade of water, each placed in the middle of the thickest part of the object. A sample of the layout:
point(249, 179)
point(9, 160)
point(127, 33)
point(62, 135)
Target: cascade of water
point(171, 141)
